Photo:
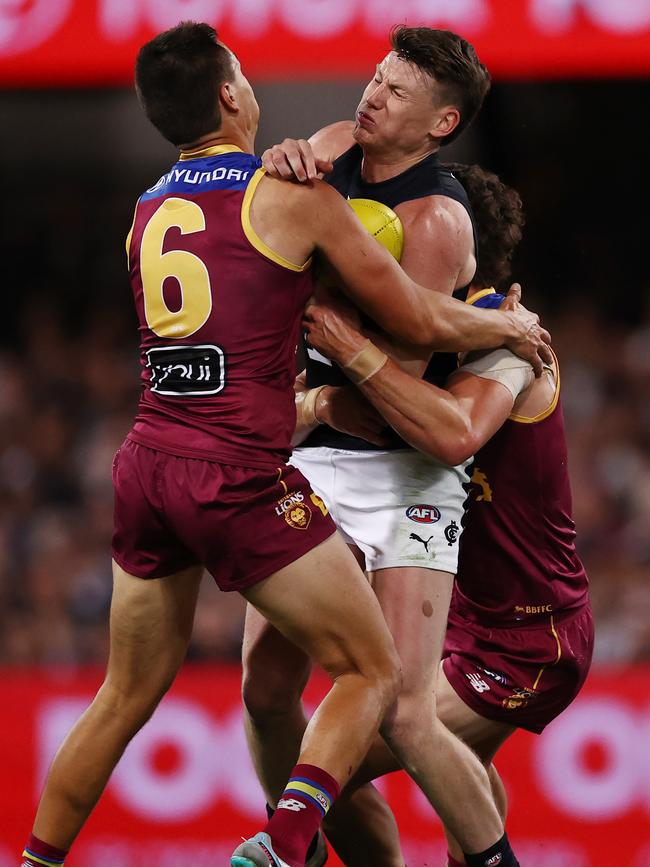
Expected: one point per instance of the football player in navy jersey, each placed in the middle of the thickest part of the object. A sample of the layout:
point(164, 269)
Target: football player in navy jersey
point(393, 504)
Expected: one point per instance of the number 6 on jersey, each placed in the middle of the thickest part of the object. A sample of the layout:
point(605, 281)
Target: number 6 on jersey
point(190, 272)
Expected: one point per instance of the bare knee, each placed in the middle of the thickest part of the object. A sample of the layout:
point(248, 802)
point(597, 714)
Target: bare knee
point(132, 704)
point(382, 672)
point(273, 689)
point(412, 717)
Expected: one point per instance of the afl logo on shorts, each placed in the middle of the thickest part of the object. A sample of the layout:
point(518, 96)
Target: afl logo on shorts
point(421, 513)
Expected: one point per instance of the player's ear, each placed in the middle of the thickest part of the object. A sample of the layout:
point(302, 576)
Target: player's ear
point(228, 97)
point(447, 119)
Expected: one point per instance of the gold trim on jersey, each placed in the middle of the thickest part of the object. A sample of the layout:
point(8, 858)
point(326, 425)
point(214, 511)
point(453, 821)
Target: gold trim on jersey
point(253, 238)
point(523, 419)
point(480, 294)
point(213, 151)
point(128, 237)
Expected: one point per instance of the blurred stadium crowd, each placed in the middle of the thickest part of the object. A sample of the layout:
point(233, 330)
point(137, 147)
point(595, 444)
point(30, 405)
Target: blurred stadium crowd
point(66, 403)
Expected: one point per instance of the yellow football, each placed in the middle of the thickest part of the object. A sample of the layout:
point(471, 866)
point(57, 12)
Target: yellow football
point(382, 222)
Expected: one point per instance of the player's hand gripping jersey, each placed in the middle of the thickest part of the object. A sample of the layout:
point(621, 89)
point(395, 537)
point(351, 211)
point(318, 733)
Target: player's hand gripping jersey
point(218, 315)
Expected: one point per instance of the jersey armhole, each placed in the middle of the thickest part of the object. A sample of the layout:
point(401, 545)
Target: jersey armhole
point(251, 235)
point(128, 237)
point(524, 419)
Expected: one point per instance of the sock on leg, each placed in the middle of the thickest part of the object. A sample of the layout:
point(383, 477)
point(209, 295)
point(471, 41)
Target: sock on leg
point(499, 855)
point(307, 798)
point(40, 854)
point(311, 849)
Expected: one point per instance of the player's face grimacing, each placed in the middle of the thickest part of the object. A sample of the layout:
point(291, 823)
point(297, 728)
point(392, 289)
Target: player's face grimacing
point(402, 107)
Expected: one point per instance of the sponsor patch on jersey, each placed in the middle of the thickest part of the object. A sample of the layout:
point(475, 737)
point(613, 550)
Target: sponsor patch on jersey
point(186, 370)
point(422, 513)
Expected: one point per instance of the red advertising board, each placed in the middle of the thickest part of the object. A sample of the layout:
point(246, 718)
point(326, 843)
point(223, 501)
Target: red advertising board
point(579, 794)
point(93, 42)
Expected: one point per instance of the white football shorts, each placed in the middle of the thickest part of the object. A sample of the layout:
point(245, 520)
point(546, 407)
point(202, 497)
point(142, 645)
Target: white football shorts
point(401, 508)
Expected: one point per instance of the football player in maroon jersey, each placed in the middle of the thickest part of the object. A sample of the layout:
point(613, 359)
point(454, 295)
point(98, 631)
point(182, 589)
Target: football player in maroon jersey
point(520, 635)
point(219, 260)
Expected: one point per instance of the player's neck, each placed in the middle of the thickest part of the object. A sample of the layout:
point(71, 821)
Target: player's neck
point(377, 167)
point(224, 136)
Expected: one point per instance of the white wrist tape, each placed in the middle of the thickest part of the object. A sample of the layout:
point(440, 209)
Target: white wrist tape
point(306, 406)
point(505, 367)
point(365, 363)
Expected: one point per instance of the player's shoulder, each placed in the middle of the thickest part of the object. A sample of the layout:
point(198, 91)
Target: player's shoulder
point(333, 140)
point(293, 200)
point(436, 213)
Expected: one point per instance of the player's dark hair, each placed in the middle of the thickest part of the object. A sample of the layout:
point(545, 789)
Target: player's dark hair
point(452, 62)
point(499, 217)
point(177, 77)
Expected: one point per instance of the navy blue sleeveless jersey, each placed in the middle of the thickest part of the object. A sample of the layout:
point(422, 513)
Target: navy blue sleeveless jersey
point(426, 178)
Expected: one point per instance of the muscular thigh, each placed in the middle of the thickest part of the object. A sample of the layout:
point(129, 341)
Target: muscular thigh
point(150, 626)
point(323, 603)
point(484, 736)
point(415, 603)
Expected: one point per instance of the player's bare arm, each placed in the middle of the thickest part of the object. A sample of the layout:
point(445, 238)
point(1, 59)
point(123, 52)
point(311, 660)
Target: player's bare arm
point(342, 407)
point(439, 255)
point(294, 220)
point(304, 159)
point(450, 424)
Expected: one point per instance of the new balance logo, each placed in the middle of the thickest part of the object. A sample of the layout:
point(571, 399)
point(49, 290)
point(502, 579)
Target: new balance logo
point(480, 686)
point(416, 538)
point(291, 804)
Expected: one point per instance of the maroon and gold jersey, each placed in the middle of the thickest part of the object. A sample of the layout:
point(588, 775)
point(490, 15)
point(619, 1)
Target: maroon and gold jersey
point(218, 314)
point(517, 555)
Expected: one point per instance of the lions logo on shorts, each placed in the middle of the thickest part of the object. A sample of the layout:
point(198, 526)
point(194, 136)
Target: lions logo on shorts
point(519, 698)
point(295, 511)
point(299, 517)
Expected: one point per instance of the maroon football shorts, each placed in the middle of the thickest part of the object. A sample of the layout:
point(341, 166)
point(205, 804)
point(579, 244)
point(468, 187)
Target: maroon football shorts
point(523, 676)
point(242, 524)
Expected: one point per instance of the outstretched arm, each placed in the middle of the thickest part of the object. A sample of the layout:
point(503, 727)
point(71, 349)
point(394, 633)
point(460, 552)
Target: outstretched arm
point(374, 281)
point(451, 425)
point(296, 219)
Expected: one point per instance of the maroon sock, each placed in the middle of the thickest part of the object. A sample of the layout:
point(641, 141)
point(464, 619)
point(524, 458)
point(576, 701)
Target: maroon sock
point(37, 854)
point(451, 862)
point(308, 796)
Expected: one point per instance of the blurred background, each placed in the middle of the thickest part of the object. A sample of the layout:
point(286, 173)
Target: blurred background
point(566, 124)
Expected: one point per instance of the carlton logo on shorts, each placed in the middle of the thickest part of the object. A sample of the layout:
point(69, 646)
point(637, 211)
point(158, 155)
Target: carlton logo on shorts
point(422, 513)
